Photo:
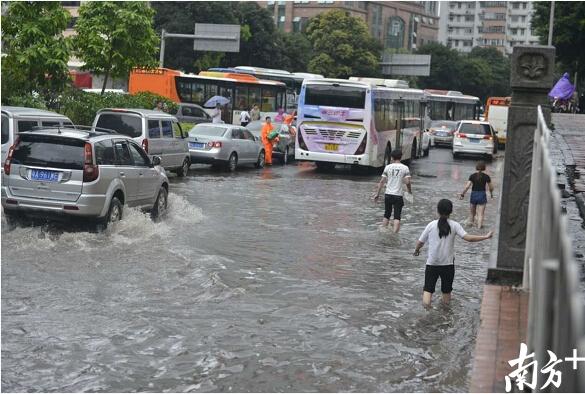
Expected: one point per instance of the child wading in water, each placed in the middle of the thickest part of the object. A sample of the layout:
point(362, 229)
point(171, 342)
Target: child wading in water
point(478, 200)
point(440, 235)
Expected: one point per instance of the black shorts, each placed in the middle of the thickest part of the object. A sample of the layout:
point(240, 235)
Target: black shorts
point(445, 272)
point(393, 202)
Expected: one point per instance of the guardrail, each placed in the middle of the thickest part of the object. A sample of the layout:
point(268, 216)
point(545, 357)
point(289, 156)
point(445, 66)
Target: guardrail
point(556, 305)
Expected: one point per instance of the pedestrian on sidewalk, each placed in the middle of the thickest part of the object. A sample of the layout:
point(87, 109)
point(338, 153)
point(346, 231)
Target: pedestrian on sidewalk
point(395, 175)
point(244, 118)
point(216, 114)
point(255, 113)
point(440, 234)
point(478, 200)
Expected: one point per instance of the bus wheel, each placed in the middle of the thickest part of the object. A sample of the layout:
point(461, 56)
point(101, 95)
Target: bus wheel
point(413, 150)
point(387, 155)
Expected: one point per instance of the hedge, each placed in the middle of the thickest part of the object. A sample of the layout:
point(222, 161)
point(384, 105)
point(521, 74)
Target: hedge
point(81, 107)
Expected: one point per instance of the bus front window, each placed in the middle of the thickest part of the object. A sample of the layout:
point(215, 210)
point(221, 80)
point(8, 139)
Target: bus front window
point(335, 96)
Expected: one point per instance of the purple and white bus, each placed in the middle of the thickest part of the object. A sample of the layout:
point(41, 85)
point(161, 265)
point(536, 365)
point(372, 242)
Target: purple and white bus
point(357, 122)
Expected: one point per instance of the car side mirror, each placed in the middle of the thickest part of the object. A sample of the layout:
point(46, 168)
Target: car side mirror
point(156, 161)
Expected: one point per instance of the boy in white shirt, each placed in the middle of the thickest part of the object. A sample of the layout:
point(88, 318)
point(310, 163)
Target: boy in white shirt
point(440, 235)
point(395, 175)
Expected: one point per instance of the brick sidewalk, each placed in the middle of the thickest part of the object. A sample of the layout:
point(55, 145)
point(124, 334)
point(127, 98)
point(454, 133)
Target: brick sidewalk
point(503, 322)
point(571, 129)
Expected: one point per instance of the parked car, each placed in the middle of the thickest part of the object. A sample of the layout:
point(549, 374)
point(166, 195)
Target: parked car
point(285, 149)
point(442, 132)
point(90, 173)
point(19, 119)
point(192, 113)
point(474, 137)
point(224, 144)
point(157, 132)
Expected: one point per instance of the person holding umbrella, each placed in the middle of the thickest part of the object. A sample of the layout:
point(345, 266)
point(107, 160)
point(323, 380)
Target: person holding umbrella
point(216, 102)
point(216, 114)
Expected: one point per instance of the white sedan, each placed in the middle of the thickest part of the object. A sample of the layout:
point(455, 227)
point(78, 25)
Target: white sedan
point(474, 137)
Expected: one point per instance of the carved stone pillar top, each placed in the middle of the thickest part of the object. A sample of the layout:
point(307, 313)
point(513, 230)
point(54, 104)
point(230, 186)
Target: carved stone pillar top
point(532, 67)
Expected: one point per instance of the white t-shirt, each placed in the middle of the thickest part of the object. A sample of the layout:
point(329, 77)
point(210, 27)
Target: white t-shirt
point(216, 116)
point(441, 250)
point(395, 173)
point(244, 116)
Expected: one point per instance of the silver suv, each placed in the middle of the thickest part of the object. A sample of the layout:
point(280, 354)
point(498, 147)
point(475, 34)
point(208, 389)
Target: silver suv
point(93, 173)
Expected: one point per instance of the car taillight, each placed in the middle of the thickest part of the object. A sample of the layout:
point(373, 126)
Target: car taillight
point(90, 171)
point(362, 148)
point(8, 161)
point(460, 135)
point(487, 137)
point(145, 145)
point(301, 140)
point(214, 144)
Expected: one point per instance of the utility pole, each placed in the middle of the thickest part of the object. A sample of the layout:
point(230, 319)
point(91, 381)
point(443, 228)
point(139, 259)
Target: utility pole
point(551, 22)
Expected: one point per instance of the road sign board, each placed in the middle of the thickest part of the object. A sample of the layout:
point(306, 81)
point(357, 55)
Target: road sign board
point(402, 64)
point(217, 38)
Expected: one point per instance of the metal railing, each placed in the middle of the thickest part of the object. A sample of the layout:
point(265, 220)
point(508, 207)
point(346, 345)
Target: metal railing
point(556, 309)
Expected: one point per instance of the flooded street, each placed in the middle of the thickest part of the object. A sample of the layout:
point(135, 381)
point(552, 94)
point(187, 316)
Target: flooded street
point(272, 280)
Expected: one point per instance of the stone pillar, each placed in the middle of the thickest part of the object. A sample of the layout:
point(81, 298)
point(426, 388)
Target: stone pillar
point(531, 78)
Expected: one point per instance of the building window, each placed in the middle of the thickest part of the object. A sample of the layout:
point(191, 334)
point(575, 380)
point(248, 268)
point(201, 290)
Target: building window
point(395, 29)
point(515, 5)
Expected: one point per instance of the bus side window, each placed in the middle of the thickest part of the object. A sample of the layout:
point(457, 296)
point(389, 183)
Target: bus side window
point(268, 100)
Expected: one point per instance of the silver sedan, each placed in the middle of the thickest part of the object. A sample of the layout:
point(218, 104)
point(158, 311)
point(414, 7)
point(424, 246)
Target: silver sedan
point(224, 144)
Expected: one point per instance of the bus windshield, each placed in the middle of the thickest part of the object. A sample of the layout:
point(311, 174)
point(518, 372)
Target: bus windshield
point(335, 96)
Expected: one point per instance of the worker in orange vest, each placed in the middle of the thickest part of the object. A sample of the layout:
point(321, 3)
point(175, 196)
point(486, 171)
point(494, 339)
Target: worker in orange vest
point(266, 129)
point(288, 119)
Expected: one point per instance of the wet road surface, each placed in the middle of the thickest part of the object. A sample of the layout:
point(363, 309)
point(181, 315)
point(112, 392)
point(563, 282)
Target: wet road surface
point(264, 280)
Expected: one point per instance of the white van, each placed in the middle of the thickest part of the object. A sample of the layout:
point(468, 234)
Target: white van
point(18, 119)
point(157, 132)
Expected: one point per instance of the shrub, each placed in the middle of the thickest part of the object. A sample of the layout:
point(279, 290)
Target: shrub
point(81, 107)
point(27, 100)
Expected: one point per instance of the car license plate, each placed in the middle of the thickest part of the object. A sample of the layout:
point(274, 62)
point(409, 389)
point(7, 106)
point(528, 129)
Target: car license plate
point(442, 134)
point(196, 145)
point(44, 175)
point(331, 147)
point(474, 140)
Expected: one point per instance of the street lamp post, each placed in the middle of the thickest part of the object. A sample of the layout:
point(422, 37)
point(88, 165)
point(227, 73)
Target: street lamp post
point(551, 23)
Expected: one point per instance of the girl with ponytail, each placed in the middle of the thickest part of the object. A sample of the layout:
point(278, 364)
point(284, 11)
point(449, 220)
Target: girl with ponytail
point(440, 235)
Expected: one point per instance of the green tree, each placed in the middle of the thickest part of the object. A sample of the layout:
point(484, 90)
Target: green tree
point(114, 37)
point(445, 67)
point(342, 46)
point(498, 75)
point(295, 52)
point(568, 33)
point(36, 51)
point(180, 17)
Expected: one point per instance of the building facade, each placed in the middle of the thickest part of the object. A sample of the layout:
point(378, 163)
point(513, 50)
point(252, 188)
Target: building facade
point(396, 24)
point(501, 24)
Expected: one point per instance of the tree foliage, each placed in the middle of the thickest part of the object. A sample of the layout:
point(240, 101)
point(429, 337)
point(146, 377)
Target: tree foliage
point(568, 33)
point(342, 46)
point(113, 37)
point(36, 51)
point(261, 44)
point(484, 72)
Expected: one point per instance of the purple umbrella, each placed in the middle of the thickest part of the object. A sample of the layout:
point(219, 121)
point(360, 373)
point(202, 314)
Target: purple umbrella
point(563, 89)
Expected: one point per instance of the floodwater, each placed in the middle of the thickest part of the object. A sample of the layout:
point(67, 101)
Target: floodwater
point(264, 280)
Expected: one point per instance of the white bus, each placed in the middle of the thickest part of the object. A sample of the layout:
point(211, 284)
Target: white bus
point(356, 122)
point(452, 105)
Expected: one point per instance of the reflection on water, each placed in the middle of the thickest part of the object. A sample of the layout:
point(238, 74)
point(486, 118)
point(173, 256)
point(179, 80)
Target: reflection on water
point(264, 280)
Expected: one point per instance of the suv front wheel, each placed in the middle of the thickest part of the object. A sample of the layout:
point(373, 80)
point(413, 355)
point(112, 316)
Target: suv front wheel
point(184, 169)
point(115, 212)
point(160, 206)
